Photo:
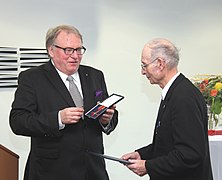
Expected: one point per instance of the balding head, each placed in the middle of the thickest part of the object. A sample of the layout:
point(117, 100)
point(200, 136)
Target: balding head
point(164, 49)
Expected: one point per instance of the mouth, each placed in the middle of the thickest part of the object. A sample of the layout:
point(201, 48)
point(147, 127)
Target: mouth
point(73, 62)
point(148, 77)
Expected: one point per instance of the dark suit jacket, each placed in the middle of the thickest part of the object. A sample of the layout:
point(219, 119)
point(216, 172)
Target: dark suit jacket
point(59, 154)
point(180, 149)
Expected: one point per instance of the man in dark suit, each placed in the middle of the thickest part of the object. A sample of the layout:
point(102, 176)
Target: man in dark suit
point(44, 110)
point(180, 149)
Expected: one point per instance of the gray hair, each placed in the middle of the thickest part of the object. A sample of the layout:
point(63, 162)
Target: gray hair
point(52, 34)
point(166, 50)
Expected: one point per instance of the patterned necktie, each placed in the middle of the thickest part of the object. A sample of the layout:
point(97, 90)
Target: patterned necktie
point(76, 96)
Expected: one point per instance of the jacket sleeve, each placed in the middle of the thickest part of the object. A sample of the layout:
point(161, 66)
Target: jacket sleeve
point(24, 117)
point(114, 121)
point(189, 142)
point(146, 152)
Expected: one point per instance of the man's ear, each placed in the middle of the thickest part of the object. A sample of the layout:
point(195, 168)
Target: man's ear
point(50, 51)
point(161, 63)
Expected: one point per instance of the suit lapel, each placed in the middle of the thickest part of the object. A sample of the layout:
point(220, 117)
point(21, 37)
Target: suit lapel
point(85, 84)
point(163, 104)
point(173, 86)
point(54, 78)
point(161, 109)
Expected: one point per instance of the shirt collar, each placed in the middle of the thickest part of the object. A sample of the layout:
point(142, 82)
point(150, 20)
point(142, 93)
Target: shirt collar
point(167, 87)
point(64, 76)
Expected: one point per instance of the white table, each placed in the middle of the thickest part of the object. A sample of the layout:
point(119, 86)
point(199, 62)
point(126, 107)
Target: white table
point(215, 143)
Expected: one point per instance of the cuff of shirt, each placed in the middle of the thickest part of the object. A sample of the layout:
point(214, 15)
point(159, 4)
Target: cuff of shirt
point(61, 125)
point(106, 127)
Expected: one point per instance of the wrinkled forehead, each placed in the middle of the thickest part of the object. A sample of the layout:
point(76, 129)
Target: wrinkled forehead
point(65, 37)
point(67, 34)
point(146, 53)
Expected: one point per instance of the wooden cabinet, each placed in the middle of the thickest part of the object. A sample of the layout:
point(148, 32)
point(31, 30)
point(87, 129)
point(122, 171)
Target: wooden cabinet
point(8, 164)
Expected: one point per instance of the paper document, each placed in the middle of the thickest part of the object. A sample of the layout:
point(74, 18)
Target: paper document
point(110, 158)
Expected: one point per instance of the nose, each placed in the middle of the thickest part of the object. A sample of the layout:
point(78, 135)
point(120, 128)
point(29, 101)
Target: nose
point(143, 72)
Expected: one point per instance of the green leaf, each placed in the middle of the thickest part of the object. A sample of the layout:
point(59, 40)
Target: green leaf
point(216, 107)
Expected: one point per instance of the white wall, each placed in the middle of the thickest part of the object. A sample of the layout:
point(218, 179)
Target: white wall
point(114, 33)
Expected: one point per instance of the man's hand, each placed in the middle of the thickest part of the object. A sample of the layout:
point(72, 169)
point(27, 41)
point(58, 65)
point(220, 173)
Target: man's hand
point(138, 165)
point(71, 115)
point(107, 116)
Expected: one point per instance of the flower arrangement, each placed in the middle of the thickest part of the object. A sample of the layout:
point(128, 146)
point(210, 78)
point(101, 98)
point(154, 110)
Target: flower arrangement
point(211, 88)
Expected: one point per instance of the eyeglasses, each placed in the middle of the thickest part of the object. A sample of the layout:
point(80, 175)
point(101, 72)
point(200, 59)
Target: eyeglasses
point(70, 51)
point(143, 66)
